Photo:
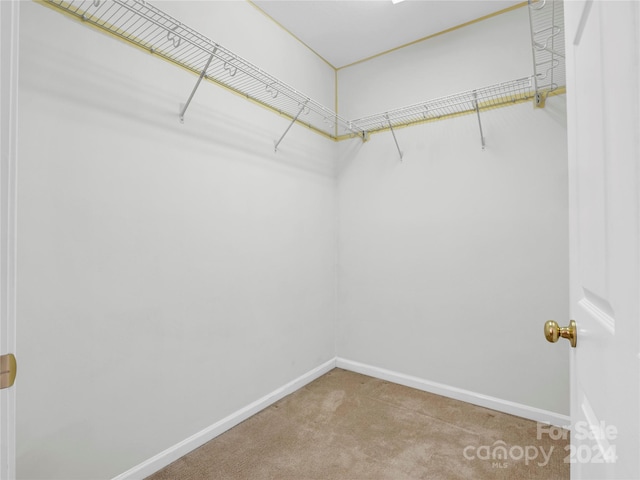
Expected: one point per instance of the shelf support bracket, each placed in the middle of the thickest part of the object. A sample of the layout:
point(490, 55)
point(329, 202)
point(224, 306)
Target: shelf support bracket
point(475, 103)
point(540, 99)
point(184, 106)
point(304, 105)
point(394, 136)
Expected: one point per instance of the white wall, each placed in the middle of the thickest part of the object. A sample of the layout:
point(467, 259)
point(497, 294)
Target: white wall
point(452, 260)
point(171, 274)
point(481, 54)
point(168, 274)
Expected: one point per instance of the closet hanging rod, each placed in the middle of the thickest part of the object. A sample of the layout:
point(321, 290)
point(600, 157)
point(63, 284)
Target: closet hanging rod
point(140, 23)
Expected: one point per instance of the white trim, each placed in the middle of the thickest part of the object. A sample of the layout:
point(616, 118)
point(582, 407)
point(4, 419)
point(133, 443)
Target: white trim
point(173, 453)
point(9, 51)
point(505, 406)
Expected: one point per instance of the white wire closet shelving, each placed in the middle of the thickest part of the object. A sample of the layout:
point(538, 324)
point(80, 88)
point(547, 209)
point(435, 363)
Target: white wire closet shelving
point(464, 103)
point(450, 106)
point(146, 26)
point(546, 18)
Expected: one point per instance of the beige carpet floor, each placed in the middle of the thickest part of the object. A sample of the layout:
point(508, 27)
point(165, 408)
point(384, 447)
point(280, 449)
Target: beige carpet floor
point(349, 426)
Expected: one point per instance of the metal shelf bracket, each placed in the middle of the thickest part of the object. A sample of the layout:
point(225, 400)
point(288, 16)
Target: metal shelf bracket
point(184, 106)
point(540, 99)
point(304, 105)
point(394, 136)
point(475, 103)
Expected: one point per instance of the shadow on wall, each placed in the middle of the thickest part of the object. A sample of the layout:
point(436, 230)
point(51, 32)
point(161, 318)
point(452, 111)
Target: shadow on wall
point(249, 134)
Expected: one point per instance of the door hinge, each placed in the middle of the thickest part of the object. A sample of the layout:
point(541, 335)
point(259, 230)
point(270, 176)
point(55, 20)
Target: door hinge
point(8, 368)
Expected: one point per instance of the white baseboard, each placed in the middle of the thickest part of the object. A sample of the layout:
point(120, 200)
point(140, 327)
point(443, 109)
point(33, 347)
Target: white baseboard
point(171, 454)
point(505, 406)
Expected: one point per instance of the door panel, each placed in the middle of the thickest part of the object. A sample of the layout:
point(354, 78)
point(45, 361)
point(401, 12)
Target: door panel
point(602, 100)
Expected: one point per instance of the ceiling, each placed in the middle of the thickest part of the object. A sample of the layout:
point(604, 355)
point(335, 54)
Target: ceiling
point(345, 31)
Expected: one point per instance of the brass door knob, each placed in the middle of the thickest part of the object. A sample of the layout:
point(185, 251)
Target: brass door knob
point(8, 368)
point(553, 332)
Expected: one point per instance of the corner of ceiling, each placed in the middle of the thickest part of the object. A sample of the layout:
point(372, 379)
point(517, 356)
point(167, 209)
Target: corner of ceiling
point(337, 69)
point(290, 33)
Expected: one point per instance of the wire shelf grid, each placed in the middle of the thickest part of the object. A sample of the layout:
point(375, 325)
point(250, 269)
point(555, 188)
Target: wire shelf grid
point(450, 106)
point(146, 26)
point(546, 18)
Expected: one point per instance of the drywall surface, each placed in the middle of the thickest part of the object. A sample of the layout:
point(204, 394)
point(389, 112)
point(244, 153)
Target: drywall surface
point(491, 51)
point(169, 274)
point(452, 259)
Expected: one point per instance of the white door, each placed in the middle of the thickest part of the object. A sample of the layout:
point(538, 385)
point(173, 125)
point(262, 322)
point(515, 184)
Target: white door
point(8, 136)
point(603, 85)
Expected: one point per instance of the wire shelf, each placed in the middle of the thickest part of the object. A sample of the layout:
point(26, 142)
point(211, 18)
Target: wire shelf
point(546, 18)
point(151, 29)
point(464, 103)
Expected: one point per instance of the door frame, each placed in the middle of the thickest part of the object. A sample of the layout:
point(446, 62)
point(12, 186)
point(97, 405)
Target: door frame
point(9, 45)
